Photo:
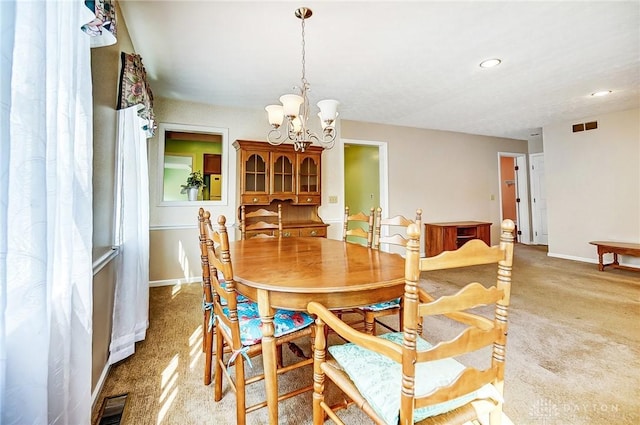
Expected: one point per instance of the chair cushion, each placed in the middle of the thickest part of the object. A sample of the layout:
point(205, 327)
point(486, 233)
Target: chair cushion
point(386, 305)
point(284, 321)
point(379, 379)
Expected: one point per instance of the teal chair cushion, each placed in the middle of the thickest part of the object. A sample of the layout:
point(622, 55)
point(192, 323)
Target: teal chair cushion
point(386, 305)
point(379, 379)
point(285, 322)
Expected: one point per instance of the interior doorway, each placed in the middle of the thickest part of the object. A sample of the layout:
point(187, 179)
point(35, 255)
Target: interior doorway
point(365, 175)
point(514, 194)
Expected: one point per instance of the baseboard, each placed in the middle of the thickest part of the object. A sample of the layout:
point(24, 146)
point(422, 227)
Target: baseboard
point(574, 258)
point(592, 260)
point(172, 227)
point(177, 281)
point(98, 389)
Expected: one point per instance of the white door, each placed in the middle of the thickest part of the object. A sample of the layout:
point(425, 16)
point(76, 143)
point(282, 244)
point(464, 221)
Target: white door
point(539, 199)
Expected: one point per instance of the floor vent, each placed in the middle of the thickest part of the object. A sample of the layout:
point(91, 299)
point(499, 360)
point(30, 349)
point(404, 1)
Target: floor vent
point(112, 410)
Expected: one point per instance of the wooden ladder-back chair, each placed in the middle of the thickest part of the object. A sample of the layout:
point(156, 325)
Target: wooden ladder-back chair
point(261, 223)
point(401, 378)
point(358, 226)
point(204, 224)
point(208, 329)
point(238, 327)
point(389, 225)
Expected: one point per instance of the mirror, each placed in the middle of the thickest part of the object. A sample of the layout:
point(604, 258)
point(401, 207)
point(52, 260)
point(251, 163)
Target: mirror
point(184, 149)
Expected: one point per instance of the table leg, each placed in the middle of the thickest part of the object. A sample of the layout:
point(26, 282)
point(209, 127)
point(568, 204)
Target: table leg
point(269, 355)
point(600, 263)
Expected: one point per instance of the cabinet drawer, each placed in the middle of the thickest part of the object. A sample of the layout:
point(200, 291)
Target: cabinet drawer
point(314, 231)
point(290, 233)
point(308, 199)
point(249, 199)
point(268, 232)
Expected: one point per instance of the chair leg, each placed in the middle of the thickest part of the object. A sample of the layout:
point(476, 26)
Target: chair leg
point(205, 319)
point(208, 353)
point(312, 337)
point(369, 323)
point(318, 375)
point(241, 412)
point(279, 361)
point(217, 392)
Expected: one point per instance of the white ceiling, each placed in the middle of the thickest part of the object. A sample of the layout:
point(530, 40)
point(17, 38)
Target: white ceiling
point(399, 62)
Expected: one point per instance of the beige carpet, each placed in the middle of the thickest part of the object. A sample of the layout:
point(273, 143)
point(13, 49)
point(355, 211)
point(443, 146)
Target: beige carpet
point(573, 354)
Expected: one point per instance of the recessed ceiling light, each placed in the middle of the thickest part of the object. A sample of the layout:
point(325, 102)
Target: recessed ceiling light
point(490, 63)
point(601, 93)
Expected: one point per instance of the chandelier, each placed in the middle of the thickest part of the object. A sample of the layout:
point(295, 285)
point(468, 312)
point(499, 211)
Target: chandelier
point(295, 108)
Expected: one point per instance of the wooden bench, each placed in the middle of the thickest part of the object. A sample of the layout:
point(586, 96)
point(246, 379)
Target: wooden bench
point(615, 248)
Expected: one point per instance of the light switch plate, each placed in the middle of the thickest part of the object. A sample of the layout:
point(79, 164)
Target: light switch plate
point(333, 199)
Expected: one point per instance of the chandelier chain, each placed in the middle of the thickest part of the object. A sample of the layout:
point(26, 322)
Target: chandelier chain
point(304, 78)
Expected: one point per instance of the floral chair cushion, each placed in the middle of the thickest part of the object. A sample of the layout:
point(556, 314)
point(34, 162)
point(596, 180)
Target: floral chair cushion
point(386, 305)
point(284, 321)
point(379, 379)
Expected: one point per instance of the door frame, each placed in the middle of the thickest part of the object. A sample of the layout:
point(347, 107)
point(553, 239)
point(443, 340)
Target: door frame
point(523, 207)
point(383, 168)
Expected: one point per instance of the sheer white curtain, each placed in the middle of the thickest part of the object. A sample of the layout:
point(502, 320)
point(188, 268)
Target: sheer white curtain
point(45, 214)
point(131, 304)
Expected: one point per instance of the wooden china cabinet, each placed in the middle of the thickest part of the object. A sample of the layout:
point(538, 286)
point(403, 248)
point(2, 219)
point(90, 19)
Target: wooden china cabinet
point(271, 175)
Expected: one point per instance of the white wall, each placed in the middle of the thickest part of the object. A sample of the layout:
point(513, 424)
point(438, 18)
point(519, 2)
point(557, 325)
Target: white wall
point(174, 251)
point(535, 144)
point(241, 123)
point(593, 184)
point(451, 176)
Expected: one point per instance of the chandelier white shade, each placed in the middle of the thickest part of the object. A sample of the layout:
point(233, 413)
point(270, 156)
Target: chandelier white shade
point(295, 109)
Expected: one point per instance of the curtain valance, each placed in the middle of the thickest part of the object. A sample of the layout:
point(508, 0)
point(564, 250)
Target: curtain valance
point(135, 90)
point(102, 28)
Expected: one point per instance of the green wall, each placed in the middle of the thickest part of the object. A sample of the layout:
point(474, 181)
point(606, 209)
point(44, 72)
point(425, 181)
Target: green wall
point(196, 148)
point(173, 179)
point(361, 178)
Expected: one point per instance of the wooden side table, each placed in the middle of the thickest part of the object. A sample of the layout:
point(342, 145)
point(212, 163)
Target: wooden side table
point(452, 235)
point(615, 248)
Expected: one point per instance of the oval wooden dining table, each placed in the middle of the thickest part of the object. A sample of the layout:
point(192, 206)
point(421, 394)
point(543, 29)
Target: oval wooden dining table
point(288, 273)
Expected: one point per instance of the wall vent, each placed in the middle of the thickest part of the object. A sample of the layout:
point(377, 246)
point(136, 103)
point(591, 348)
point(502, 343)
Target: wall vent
point(591, 125)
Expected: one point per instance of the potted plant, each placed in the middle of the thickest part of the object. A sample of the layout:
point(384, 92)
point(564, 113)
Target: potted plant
point(194, 182)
